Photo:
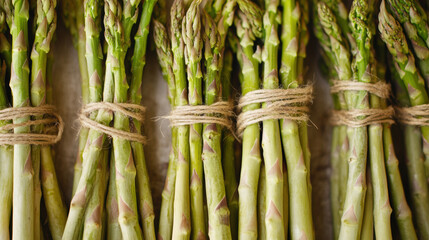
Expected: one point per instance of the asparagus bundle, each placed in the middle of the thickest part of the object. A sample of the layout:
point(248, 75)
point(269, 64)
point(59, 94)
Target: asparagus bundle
point(195, 188)
point(358, 213)
point(285, 196)
point(411, 90)
point(128, 205)
point(29, 167)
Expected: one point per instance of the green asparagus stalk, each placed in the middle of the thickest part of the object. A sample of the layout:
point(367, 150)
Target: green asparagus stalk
point(181, 215)
point(271, 143)
point(5, 46)
point(138, 62)
point(113, 228)
point(117, 35)
point(299, 186)
point(191, 31)
point(228, 141)
point(381, 204)
point(166, 62)
point(339, 148)
point(368, 218)
point(414, 20)
point(23, 194)
point(360, 17)
point(218, 211)
point(6, 173)
point(393, 36)
point(401, 208)
point(95, 141)
point(73, 17)
point(303, 38)
point(93, 214)
point(251, 157)
point(42, 155)
point(262, 204)
point(165, 58)
point(6, 151)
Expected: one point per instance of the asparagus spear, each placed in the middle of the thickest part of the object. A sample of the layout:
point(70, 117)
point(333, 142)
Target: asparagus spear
point(362, 31)
point(401, 208)
point(5, 46)
point(6, 173)
point(95, 141)
point(228, 141)
point(118, 26)
point(23, 194)
point(218, 211)
point(296, 159)
point(393, 36)
point(271, 143)
point(381, 203)
point(138, 62)
point(251, 157)
point(165, 58)
point(191, 31)
point(113, 228)
point(262, 204)
point(42, 157)
point(368, 218)
point(181, 216)
point(73, 17)
point(415, 22)
point(6, 151)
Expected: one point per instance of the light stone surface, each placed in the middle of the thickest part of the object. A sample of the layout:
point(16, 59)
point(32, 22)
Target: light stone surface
point(67, 98)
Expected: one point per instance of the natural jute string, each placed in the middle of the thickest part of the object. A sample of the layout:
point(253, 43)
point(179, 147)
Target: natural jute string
point(134, 111)
point(380, 89)
point(217, 113)
point(51, 118)
point(362, 117)
point(289, 103)
point(417, 115)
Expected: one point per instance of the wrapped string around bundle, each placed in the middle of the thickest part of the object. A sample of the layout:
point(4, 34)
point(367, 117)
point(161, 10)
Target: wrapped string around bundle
point(54, 125)
point(417, 115)
point(217, 113)
point(362, 117)
point(134, 111)
point(289, 104)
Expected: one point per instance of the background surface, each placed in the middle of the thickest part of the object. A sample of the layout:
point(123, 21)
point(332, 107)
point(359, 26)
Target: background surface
point(67, 98)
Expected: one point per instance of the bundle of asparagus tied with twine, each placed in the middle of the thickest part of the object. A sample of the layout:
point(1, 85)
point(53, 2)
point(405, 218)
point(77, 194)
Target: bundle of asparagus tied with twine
point(274, 203)
point(200, 188)
point(403, 26)
point(111, 158)
point(29, 125)
point(361, 193)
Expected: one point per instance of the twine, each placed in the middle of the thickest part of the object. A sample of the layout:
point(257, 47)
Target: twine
point(289, 104)
point(217, 113)
point(417, 115)
point(134, 111)
point(380, 89)
point(52, 119)
point(362, 117)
